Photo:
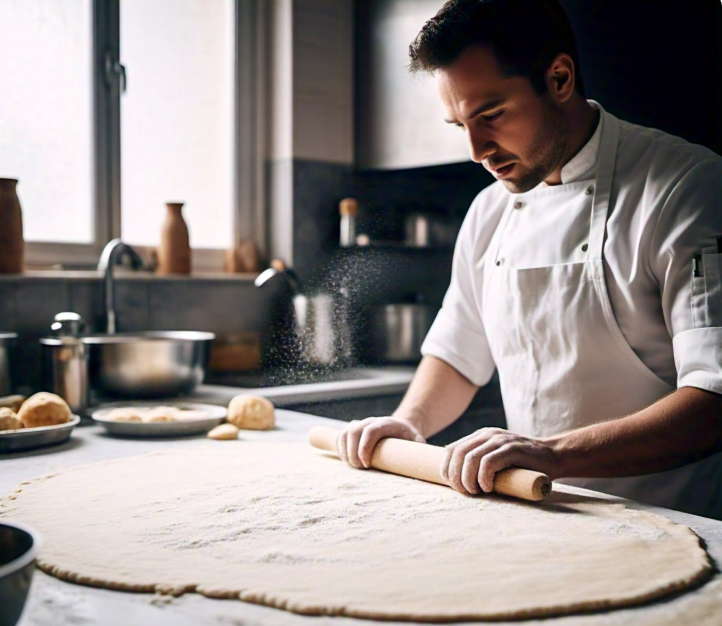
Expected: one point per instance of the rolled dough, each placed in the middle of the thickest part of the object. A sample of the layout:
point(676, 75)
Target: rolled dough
point(286, 526)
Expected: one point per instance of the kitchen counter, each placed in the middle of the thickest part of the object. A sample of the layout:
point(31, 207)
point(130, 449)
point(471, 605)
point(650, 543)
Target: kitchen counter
point(56, 603)
point(353, 383)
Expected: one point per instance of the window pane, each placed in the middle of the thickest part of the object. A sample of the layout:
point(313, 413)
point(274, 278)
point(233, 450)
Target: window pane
point(46, 115)
point(177, 118)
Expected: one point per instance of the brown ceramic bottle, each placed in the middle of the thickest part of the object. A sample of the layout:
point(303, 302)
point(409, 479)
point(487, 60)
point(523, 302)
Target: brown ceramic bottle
point(12, 246)
point(174, 252)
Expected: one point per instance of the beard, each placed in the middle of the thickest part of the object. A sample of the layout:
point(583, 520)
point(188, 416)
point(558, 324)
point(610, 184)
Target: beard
point(545, 152)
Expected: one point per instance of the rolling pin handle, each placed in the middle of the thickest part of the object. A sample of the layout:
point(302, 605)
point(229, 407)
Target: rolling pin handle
point(323, 438)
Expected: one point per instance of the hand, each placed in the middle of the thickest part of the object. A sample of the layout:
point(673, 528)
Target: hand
point(356, 444)
point(472, 462)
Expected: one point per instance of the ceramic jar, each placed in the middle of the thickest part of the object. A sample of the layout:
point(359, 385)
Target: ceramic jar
point(12, 246)
point(174, 252)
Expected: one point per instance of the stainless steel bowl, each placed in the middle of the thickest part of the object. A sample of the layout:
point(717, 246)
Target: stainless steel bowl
point(7, 340)
point(399, 330)
point(148, 365)
point(19, 546)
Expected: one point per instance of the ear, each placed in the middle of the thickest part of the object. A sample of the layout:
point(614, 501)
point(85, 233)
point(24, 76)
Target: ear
point(561, 78)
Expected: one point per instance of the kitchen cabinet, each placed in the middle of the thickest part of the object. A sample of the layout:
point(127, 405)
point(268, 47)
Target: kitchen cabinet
point(400, 119)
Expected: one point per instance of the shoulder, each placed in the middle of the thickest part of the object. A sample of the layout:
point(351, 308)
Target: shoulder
point(658, 161)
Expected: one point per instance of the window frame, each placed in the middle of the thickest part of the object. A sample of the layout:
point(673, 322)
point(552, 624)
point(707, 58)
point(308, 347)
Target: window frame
point(250, 92)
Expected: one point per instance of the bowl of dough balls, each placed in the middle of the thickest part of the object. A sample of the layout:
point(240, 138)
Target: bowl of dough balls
point(44, 419)
point(149, 419)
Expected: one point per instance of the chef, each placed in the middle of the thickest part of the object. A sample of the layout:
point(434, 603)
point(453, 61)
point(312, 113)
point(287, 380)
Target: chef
point(588, 275)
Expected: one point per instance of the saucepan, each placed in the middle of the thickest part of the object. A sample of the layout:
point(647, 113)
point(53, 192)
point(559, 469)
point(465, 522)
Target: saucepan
point(316, 328)
point(19, 545)
point(398, 330)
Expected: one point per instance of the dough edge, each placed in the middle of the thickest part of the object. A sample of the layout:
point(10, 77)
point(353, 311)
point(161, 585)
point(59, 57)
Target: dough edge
point(704, 571)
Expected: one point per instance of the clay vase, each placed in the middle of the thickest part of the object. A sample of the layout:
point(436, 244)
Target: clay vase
point(174, 252)
point(12, 246)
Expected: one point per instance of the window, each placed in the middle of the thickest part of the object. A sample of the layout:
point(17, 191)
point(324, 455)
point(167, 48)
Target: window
point(111, 108)
point(46, 119)
point(177, 118)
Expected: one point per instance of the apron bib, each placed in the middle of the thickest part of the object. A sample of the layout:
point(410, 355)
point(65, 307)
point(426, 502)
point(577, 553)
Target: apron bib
point(563, 361)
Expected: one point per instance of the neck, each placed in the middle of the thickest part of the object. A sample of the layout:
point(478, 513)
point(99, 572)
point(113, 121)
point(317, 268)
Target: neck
point(582, 119)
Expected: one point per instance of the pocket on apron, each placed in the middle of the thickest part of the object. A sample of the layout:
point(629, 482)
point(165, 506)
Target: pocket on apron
point(707, 289)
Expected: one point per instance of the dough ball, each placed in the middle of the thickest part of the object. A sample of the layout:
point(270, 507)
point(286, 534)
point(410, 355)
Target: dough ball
point(251, 412)
point(161, 414)
point(8, 420)
point(224, 431)
point(124, 415)
point(44, 409)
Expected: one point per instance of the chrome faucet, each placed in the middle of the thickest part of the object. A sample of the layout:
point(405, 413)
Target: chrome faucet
point(112, 254)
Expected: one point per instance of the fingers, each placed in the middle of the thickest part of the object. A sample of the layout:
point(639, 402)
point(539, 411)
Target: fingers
point(451, 469)
point(471, 463)
point(495, 461)
point(356, 444)
point(353, 437)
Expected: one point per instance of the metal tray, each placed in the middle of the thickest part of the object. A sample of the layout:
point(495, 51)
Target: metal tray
point(27, 438)
point(216, 414)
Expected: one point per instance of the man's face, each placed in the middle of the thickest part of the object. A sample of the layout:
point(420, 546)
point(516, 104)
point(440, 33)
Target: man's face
point(516, 134)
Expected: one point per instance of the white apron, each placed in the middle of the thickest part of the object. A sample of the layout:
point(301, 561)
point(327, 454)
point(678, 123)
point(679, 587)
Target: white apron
point(563, 362)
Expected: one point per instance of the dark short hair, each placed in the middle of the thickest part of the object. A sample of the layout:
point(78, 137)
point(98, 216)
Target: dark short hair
point(525, 36)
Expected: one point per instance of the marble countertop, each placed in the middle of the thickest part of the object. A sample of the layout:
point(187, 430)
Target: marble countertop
point(57, 603)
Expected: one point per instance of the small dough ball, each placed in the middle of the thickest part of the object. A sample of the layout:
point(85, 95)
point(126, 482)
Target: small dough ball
point(161, 414)
point(8, 420)
point(44, 409)
point(251, 412)
point(224, 431)
point(124, 415)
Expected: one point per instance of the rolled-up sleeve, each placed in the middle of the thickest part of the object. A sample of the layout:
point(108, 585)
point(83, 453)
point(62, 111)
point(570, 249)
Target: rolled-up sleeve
point(457, 335)
point(687, 265)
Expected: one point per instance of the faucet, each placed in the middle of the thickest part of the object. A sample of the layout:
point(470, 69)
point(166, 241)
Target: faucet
point(112, 254)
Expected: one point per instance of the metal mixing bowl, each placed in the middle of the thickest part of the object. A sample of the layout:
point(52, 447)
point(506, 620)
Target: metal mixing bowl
point(148, 365)
point(19, 546)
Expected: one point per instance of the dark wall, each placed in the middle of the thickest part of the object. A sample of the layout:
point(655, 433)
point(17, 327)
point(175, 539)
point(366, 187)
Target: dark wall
point(654, 62)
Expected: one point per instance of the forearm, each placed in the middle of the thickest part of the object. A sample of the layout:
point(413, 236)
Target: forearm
point(683, 427)
point(436, 398)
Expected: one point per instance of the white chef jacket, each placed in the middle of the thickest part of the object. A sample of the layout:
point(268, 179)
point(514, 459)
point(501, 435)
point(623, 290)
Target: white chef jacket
point(665, 207)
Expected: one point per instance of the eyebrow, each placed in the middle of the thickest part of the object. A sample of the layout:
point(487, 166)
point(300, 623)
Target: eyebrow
point(481, 109)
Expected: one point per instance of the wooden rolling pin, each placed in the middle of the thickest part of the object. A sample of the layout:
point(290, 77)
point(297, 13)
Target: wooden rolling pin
point(422, 461)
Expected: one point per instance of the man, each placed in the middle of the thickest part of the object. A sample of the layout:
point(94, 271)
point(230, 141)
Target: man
point(588, 275)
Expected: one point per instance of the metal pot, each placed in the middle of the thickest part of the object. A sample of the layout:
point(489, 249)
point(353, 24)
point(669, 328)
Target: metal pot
point(7, 341)
point(152, 364)
point(322, 329)
point(398, 330)
point(65, 370)
point(19, 545)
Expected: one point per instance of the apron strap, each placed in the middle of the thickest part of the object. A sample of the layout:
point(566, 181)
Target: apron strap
point(603, 185)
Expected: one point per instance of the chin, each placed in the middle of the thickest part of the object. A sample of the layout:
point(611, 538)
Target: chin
point(521, 186)
point(526, 181)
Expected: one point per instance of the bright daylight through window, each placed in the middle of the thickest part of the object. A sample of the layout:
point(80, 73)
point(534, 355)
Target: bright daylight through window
point(177, 118)
point(46, 119)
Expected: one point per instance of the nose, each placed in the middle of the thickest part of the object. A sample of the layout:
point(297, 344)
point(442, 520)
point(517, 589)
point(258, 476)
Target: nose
point(480, 146)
